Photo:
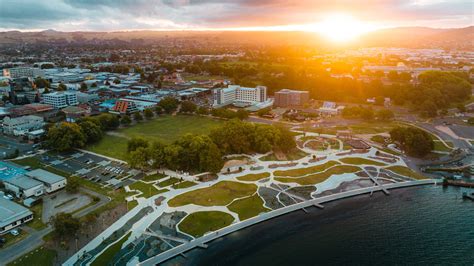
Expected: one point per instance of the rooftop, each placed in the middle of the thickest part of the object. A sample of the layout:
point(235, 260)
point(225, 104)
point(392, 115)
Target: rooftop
point(11, 211)
point(45, 176)
point(23, 182)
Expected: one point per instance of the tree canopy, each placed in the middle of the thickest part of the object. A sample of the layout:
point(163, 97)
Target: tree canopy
point(414, 141)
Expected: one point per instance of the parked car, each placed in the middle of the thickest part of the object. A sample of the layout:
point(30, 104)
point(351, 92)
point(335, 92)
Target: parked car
point(14, 232)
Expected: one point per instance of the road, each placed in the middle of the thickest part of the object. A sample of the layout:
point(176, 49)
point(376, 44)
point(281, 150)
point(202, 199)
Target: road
point(35, 238)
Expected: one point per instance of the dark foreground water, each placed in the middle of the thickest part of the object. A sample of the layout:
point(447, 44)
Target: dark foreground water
point(423, 226)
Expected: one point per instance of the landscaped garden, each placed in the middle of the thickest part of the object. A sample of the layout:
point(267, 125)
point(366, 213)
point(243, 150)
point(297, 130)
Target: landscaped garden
point(199, 223)
point(248, 207)
point(220, 194)
point(147, 190)
point(405, 171)
point(360, 161)
point(320, 177)
point(307, 170)
point(253, 177)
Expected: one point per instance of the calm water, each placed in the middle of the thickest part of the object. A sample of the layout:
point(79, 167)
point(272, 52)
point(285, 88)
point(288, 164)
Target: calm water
point(423, 225)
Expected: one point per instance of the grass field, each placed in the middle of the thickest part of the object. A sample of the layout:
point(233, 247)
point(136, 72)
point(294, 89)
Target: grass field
point(405, 171)
point(219, 194)
point(439, 146)
point(253, 177)
point(106, 257)
point(199, 223)
point(165, 129)
point(147, 190)
point(360, 161)
point(320, 177)
point(296, 154)
point(248, 207)
point(40, 256)
point(184, 184)
point(168, 182)
point(153, 177)
point(306, 171)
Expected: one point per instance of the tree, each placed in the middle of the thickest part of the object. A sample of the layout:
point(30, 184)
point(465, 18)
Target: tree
point(92, 131)
point(65, 136)
point(148, 114)
point(62, 87)
point(385, 115)
point(137, 117)
point(116, 81)
point(41, 83)
point(242, 114)
point(94, 85)
point(188, 107)
point(169, 104)
point(203, 110)
point(139, 158)
point(461, 107)
point(65, 224)
point(135, 143)
point(83, 87)
point(72, 185)
point(125, 120)
point(158, 110)
point(414, 141)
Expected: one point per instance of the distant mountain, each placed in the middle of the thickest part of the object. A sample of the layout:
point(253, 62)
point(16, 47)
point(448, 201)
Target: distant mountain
point(462, 38)
point(412, 37)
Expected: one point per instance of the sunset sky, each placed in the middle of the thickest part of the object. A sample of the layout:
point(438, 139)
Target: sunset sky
point(110, 15)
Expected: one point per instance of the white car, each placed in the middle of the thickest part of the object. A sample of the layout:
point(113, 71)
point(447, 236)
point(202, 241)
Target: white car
point(14, 232)
point(8, 197)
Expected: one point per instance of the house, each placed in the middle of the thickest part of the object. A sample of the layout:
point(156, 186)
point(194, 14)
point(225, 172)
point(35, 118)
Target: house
point(12, 215)
point(21, 125)
point(24, 187)
point(51, 182)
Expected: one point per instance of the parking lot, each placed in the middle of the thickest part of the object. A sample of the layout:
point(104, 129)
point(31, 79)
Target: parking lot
point(92, 167)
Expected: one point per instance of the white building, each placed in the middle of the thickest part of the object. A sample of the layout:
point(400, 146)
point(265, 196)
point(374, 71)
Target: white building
point(51, 182)
point(60, 99)
point(235, 94)
point(21, 125)
point(24, 187)
point(12, 215)
point(22, 72)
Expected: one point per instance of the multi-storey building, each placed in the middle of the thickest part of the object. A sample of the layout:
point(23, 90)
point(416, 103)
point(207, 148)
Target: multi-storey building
point(289, 98)
point(124, 106)
point(23, 72)
point(21, 125)
point(239, 95)
point(60, 99)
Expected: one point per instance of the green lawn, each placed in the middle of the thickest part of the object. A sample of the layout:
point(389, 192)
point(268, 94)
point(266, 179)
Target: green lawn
point(306, 171)
point(106, 257)
point(168, 182)
point(378, 139)
point(248, 207)
point(164, 128)
point(360, 161)
point(33, 162)
point(253, 177)
point(40, 256)
point(405, 171)
point(154, 177)
point(439, 146)
point(184, 184)
point(296, 154)
point(147, 190)
point(219, 194)
point(320, 177)
point(37, 222)
point(199, 223)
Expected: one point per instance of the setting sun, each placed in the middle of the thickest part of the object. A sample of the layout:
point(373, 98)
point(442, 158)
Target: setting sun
point(341, 28)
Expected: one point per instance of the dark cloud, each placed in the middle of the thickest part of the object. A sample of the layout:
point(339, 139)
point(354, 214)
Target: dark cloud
point(155, 14)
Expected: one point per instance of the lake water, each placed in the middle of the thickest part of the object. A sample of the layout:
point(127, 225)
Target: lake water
point(421, 225)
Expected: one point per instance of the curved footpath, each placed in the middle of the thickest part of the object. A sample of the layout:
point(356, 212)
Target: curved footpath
point(200, 242)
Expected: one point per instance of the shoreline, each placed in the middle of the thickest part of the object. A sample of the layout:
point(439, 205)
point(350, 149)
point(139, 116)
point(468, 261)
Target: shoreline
point(201, 241)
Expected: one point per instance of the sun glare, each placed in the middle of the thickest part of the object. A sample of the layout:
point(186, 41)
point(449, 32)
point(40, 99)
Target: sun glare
point(341, 28)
